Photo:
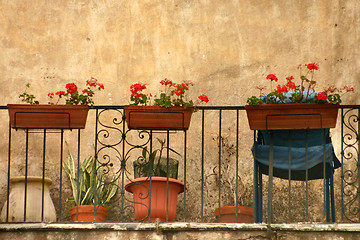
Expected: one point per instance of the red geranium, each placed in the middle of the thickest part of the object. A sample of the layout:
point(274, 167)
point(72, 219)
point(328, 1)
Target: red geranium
point(204, 98)
point(174, 95)
point(312, 66)
point(71, 88)
point(166, 82)
point(322, 96)
point(282, 89)
point(291, 85)
point(272, 77)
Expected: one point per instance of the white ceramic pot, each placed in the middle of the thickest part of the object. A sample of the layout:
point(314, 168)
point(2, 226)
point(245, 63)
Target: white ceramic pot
point(33, 201)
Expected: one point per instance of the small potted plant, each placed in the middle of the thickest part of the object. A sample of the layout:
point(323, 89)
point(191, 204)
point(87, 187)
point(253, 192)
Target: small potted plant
point(72, 115)
point(293, 106)
point(170, 110)
point(152, 170)
point(90, 191)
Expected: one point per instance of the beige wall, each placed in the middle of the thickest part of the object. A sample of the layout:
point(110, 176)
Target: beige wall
point(225, 47)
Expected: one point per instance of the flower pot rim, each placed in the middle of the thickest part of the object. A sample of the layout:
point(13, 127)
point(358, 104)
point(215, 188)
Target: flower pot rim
point(99, 207)
point(30, 178)
point(153, 179)
point(231, 210)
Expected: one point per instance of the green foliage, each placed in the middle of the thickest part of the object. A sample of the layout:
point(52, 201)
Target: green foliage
point(152, 162)
point(89, 181)
point(254, 101)
point(334, 98)
point(28, 98)
point(274, 98)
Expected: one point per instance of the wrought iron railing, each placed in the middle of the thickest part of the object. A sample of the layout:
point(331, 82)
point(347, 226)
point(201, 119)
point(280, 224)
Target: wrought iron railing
point(215, 165)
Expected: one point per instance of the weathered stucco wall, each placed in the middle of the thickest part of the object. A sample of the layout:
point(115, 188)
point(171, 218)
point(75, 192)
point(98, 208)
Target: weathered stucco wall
point(225, 48)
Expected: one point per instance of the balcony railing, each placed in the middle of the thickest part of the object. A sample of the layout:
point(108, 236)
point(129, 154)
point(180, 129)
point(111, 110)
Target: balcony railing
point(216, 167)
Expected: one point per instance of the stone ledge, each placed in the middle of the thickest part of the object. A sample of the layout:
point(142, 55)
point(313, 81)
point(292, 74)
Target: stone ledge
point(178, 226)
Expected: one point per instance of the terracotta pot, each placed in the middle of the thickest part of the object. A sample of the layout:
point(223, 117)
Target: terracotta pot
point(139, 187)
point(46, 116)
point(292, 116)
point(228, 214)
point(33, 201)
point(86, 213)
point(158, 118)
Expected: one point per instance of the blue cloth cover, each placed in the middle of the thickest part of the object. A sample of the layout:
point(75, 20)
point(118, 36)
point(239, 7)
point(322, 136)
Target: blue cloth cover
point(298, 149)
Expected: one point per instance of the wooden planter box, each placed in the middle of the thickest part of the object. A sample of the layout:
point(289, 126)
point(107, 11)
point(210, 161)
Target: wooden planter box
point(46, 116)
point(158, 118)
point(292, 116)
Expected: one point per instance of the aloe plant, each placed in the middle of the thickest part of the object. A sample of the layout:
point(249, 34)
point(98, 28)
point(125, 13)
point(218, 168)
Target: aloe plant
point(84, 186)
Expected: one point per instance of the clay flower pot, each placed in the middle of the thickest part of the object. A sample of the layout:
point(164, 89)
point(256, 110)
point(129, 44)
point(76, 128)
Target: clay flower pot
point(46, 116)
point(158, 118)
point(86, 213)
point(292, 116)
point(139, 187)
point(228, 214)
point(34, 208)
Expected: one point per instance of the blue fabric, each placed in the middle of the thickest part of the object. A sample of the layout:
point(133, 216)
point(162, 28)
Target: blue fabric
point(288, 95)
point(297, 136)
point(298, 150)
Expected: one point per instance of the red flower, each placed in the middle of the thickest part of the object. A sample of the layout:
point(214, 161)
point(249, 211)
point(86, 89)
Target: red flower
point(203, 98)
point(272, 77)
point(290, 78)
point(60, 93)
point(71, 88)
point(101, 85)
point(282, 89)
point(176, 92)
point(290, 85)
point(166, 82)
point(137, 87)
point(136, 95)
point(50, 94)
point(312, 66)
point(322, 96)
point(86, 91)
